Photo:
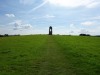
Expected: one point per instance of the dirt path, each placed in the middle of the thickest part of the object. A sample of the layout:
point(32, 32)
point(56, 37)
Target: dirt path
point(53, 61)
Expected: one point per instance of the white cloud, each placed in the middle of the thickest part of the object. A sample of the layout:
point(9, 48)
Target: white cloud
point(95, 18)
point(59, 29)
point(19, 24)
point(88, 23)
point(74, 3)
point(49, 16)
point(27, 26)
point(71, 32)
point(93, 4)
point(10, 15)
point(26, 2)
point(73, 29)
point(72, 26)
point(84, 31)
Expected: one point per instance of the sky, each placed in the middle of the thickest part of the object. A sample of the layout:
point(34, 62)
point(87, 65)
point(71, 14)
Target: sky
point(67, 17)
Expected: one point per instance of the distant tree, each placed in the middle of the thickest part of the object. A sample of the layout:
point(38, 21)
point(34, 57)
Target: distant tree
point(88, 35)
point(84, 35)
point(97, 36)
point(1, 35)
point(6, 35)
point(18, 34)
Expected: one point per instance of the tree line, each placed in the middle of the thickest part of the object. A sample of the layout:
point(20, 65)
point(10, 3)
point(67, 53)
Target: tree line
point(6, 35)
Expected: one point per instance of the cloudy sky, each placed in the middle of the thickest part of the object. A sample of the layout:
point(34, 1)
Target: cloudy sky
point(35, 16)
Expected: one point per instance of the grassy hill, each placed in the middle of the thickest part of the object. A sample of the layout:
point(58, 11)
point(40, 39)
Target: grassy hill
point(49, 55)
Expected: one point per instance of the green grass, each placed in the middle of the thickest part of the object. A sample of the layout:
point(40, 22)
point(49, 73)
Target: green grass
point(49, 55)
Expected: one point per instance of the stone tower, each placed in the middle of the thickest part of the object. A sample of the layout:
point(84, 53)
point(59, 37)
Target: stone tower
point(50, 30)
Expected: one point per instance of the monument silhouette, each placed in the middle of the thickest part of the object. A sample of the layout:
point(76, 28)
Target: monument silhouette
point(50, 30)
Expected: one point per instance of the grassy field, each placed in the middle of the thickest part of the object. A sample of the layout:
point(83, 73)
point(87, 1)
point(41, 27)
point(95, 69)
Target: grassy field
point(49, 55)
